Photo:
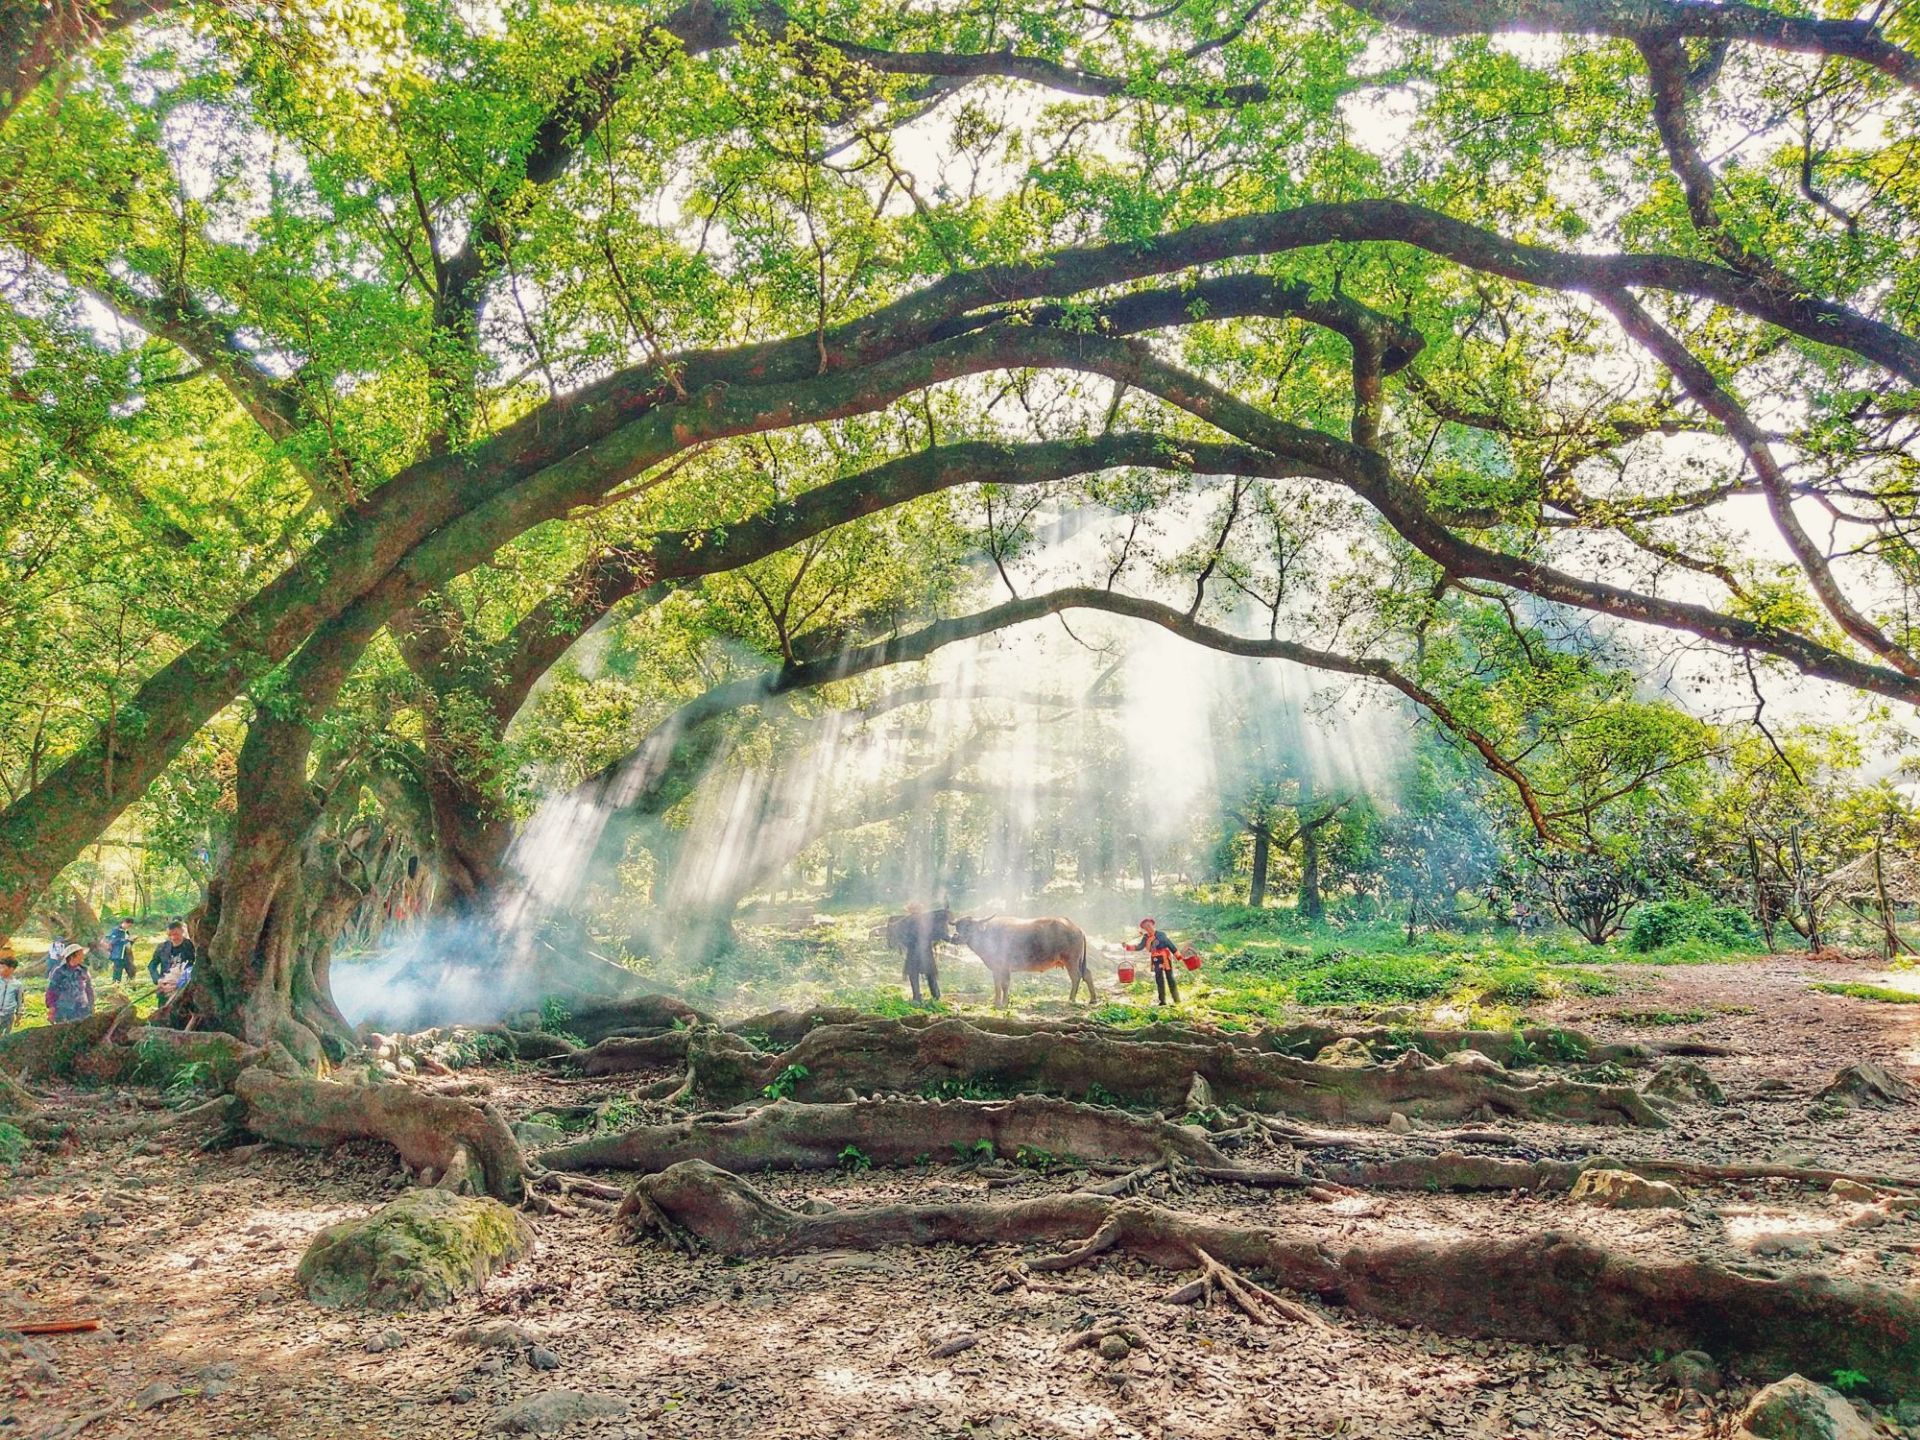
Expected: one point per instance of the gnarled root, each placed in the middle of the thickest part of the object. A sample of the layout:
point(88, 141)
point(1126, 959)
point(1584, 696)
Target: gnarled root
point(887, 1056)
point(1256, 1302)
point(1546, 1288)
point(435, 1135)
point(786, 1136)
point(593, 1021)
point(625, 1054)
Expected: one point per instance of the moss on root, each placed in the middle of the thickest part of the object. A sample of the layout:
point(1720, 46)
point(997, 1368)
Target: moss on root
point(425, 1249)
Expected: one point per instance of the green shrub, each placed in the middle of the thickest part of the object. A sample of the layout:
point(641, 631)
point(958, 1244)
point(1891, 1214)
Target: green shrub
point(13, 1144)
point(1670, 922)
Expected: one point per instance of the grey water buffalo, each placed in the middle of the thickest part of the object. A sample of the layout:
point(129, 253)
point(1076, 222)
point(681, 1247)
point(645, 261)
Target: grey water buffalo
point(1027, 946)
point(916, 933)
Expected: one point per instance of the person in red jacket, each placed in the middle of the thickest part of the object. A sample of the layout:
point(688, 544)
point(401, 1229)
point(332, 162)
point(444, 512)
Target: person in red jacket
point(1159, 947)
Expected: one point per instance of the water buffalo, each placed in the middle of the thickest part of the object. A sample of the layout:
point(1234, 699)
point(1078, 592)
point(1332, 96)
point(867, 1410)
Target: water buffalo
point(917, 932)
point(1027, 946)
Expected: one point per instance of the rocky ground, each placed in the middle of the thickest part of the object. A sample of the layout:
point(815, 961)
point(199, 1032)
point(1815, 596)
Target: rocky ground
point(188, 1259)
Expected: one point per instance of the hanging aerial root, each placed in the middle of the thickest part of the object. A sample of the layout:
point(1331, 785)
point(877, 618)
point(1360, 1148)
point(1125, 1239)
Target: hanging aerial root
point(835, 1059)
point(1547, 1288)
point(435, 1135)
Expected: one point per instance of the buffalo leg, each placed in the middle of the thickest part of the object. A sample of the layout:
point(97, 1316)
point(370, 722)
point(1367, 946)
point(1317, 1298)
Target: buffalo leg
point(913, 978)
point(933, 979)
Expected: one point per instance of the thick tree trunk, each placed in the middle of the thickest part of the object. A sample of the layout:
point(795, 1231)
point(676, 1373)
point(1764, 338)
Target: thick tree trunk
point(1312, 907)
point(472, 832)
point(1262, 855)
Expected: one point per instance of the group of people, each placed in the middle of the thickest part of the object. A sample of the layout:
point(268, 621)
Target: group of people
point(70, 995)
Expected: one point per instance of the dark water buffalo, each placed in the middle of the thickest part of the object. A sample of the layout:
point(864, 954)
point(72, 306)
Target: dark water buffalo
point(1027, 946)
point(917, 932)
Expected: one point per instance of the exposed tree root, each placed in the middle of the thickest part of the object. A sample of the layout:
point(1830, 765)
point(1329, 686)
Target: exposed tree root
point(593, 1021)
point(1306, 1039)
point(1545, 1288)
point(625, 1054)
point(435, 1135)
point(835, 1059)
point(1256, 1302)
point(67, 1052)
point(785, 1136)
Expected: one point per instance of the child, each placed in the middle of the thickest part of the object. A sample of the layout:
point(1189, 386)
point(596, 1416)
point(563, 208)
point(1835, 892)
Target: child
point(13, 994)
point(1159, 947)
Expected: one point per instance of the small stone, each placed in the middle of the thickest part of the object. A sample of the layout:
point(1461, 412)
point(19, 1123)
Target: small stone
point(1844, 1189)
point(1399, 1124)
point(386, 1340)
point(541, 1358)
point(1624, 1190)
point(498, 1335)
point(1474, 1062)
point(1866, 1084)
point(1797, 1409)
point(1345, 1053)
point(1114, 1347)
point(219, 1370)
point(213, 1388)
point(1692, 1370)
point(158, 1393)
point(492, 1365)
point(462, 1393)
point(1686, 1082)
point(1199, 1096)
point(1782, 1246)
point(554, 1410)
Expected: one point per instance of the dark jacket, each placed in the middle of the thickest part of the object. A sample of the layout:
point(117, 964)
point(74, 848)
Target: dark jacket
point(166, 954)
point(119, 941)
point(69, 993)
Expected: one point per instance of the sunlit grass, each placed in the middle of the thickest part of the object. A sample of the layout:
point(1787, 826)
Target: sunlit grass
point(1885, 994)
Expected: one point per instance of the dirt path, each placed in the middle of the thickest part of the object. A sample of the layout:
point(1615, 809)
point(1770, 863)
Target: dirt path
point(189, 1259)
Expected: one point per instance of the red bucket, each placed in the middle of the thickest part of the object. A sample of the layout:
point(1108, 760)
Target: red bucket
point(1126, 973)
point(1190, 960)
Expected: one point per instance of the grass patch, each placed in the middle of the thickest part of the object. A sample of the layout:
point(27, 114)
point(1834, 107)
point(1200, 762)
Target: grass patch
point(1884, 994)
point(1657, 1019)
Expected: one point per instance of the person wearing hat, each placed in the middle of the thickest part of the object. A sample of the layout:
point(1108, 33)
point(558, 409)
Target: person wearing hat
point(120, 950)
point(1159, 947)
point(13, 995)
point(70, 989)
point(176, 949)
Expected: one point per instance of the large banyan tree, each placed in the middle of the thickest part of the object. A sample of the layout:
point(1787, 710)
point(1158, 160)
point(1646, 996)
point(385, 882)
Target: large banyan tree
point(429, 334)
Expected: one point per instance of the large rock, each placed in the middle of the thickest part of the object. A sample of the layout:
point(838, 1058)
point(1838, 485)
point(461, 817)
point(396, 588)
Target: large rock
point(426, 1248)
point(1624, 1190)
point(1797, 1409)
point(1685, 1081)
point(1346, 1052)
point(1866, 1084)
point(554, 1410)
